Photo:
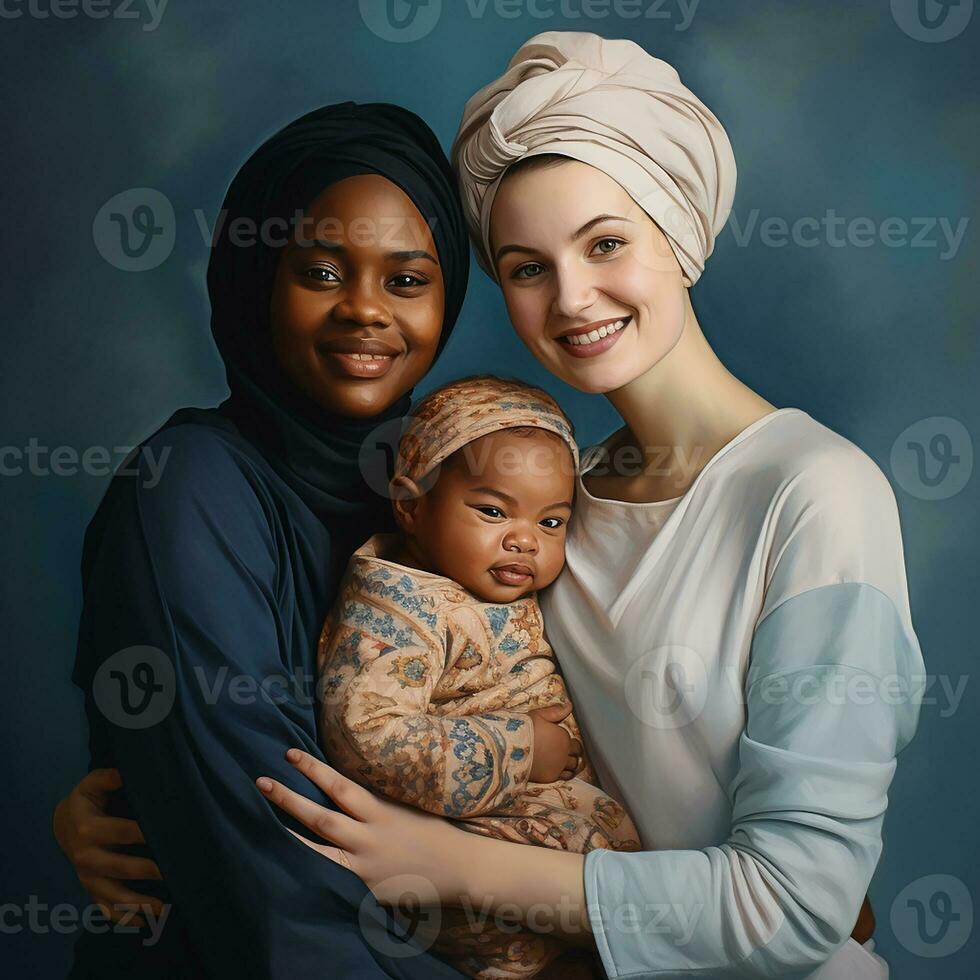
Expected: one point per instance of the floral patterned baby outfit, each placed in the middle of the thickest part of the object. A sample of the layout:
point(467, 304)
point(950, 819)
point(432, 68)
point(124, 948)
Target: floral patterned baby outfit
point(425, 692)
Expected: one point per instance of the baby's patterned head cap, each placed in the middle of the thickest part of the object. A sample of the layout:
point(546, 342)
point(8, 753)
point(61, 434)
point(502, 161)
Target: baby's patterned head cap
point(466, 410)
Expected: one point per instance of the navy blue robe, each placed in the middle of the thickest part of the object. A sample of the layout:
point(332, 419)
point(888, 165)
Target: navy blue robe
point(226, 572)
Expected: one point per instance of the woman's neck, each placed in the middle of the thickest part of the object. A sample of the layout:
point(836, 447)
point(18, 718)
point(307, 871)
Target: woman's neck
point(678, 415)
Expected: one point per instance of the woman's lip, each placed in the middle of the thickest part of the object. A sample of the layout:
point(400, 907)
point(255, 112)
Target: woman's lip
point(354, 367)
point(598, 347)
point(508, 577)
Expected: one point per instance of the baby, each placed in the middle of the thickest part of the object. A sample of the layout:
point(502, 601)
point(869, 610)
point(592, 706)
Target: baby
point(437, 685)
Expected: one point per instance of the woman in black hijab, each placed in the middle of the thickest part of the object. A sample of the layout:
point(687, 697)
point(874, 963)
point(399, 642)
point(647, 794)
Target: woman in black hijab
point(336, 276)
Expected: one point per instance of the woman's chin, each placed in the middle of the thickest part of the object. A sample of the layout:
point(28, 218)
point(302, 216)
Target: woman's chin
point(356, 401)
point(598, 380)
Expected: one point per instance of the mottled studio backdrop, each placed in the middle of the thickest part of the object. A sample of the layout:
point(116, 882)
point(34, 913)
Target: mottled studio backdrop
point(846, 284)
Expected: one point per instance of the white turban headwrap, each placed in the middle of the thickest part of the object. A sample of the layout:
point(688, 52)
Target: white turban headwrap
point(613, 106)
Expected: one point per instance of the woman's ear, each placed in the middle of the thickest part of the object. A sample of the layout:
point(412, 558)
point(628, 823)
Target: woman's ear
point(405, 496)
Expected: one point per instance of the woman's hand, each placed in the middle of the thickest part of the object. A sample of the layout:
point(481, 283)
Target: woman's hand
point(378, 839)
point(87, 835)
point(556, 754)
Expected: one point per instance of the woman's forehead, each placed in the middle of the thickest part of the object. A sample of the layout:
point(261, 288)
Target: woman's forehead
point(566, 196)
point(369, 210)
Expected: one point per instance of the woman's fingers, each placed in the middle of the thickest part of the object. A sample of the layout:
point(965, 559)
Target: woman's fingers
point(351, 797)
point(112, 830)
point(111, 864)
point(329, 824)
point(336, 854)
point(99, 782)
point(119, 903)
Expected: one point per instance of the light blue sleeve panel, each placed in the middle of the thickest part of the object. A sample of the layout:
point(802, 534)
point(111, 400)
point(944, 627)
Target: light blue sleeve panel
point(832, 695)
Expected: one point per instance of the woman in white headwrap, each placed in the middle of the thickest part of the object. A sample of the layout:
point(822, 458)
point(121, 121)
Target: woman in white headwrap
point(733, 619)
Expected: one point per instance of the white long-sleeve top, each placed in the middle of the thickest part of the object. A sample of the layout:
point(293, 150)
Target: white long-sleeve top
point(744, 669)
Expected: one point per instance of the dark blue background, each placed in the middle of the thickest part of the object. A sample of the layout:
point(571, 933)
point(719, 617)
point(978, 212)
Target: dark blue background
point(829, 105)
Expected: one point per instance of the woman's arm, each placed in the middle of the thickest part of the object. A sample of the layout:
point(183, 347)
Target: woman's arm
point(776, 899)
point(829, 705)
point(400, 851)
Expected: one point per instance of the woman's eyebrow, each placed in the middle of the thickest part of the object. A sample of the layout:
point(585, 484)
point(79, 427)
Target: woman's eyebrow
point(584, 230)
point(319, 243)
point(406, 255)
point(589, 225)
point(409, 255)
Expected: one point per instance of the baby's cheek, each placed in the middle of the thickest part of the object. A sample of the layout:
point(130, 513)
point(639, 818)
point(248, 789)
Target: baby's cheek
point(550, 569)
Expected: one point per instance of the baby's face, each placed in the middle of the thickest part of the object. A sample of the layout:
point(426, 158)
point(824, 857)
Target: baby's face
point(496, 518)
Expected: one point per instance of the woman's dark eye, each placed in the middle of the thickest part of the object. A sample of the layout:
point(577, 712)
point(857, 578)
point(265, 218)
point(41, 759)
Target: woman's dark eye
point(497, 512)
point(320, 273)
point(406, 281)
point(615, 242)
point(558, 522)
point(530, 270)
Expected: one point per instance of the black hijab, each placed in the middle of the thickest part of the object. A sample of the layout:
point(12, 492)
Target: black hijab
point(315, 451)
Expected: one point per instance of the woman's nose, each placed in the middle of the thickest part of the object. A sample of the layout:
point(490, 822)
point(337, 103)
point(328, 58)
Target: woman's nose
point(574, 292)
point(362, 304)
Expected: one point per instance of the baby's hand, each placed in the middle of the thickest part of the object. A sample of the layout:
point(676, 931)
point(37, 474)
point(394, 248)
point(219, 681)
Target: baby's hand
point(556, 754)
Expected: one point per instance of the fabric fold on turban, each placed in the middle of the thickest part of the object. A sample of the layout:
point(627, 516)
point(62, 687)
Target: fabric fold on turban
point(610, 104)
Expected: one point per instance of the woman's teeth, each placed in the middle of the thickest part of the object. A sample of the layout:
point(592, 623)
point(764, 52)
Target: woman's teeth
point(370, 357)
point(593, 335)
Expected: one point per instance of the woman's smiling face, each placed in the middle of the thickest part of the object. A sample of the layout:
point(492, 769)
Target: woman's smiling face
point(578, 258)
point(358, 300)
